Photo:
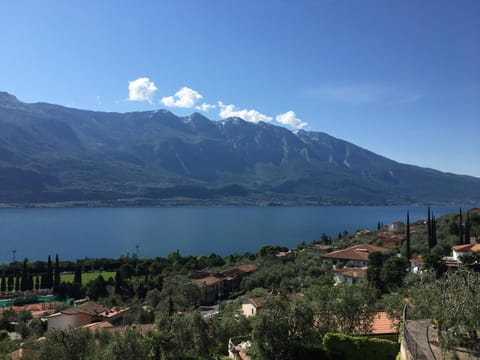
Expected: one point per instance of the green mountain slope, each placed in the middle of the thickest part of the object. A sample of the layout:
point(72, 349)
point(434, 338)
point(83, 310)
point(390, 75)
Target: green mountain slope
point(50, 153)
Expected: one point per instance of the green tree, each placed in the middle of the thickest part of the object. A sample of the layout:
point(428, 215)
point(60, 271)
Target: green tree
point(56, 279)
point(75, 344)
point(77, 278)
point(393, 272)
point(49, 274)
point(3, 284)
point(460, 228)
point(452, 301)
point(374, 271)
point(24, 284)
point(408, 249)
point(129, 346)
point(281, 328)
point(97, 288)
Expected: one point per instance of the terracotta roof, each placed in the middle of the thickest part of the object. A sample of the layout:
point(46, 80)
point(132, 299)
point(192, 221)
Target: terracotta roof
point(352, 272)
point(87, 308)
point(98, 325)
point(382, 325)
point(256, 301)
point(240, 270)
point(357, 252)
point(207, 281)
point(416, 260)
point(322, 247)
point(467, 248)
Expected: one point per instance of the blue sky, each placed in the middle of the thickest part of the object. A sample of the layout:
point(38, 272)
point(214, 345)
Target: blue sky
point(400, 78)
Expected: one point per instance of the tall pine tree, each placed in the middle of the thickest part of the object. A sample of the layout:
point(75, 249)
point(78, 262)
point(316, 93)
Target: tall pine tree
point(434, 231)
point(77, 278)
point(24, 285)
point(467, 229)
point(56, 279)
point(49, 274)
point(429, 228)
point(460, 229)
point(408, 250)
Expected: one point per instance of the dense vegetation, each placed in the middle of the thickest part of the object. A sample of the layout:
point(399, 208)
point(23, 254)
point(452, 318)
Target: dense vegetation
point(302, 310)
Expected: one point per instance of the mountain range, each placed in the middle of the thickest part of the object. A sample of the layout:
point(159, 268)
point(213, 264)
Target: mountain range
point(55, 154)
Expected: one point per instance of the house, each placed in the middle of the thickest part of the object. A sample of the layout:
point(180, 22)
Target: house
point(216, 286)
point(461, 250)
point(395, 226)
point(357, 255)
point(285, 255)
point(416, 264)
point(389, 240)
point(322, 249)
point(82, 315)
point(238, 348)
point(234, 276)
point(251, 306)
point(211, 287)
point(349, 275)
point(362, 233)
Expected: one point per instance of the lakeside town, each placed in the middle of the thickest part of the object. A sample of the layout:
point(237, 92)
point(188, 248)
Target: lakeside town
point(405, 291)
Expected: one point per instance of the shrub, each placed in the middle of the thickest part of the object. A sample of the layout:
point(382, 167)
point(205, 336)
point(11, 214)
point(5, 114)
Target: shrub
point(340, 346)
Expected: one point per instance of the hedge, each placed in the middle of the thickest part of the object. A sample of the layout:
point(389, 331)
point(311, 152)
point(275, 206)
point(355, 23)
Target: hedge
point(344, 347)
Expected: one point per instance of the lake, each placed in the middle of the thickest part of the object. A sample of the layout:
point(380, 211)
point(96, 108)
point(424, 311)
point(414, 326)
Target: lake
point(111, 232)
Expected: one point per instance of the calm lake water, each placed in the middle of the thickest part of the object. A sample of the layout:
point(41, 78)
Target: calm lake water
point(110, 232)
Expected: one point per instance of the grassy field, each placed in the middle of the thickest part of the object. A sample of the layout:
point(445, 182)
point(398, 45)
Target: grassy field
point(86, 277)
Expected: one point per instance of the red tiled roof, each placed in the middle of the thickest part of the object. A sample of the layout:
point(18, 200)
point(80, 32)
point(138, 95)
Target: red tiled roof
point(357, 252)
point(417, 260)
point(207, 281)
point(467, 248)
point(239, 270)
point(98, 325)
point(87, 308)
point(322, 247)
point(382, 325)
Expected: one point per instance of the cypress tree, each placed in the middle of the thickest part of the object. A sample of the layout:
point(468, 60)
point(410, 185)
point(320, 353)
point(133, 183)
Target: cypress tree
point(49, 275)
point(460, 229)
point(429, 228)
point(17, 283)
point(77, 278)
point(408, 250)
point(56, 279)
point(10, 283)
point(118, 283)
point(24, 285)
point(434, 231)
point(467, 229)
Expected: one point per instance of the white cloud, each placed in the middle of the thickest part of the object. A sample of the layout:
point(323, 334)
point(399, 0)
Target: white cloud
point(205, 107)
point(141, 89)
point(290, 118)
point(183, 98)
point(251, 115)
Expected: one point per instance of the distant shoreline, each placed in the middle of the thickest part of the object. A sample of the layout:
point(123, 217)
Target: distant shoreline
point(211, 203)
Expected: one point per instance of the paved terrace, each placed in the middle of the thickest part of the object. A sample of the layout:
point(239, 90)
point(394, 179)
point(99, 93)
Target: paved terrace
point(422, 338)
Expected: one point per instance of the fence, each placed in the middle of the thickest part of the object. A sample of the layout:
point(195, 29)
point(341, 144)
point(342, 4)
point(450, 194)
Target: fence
point(416, 352)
